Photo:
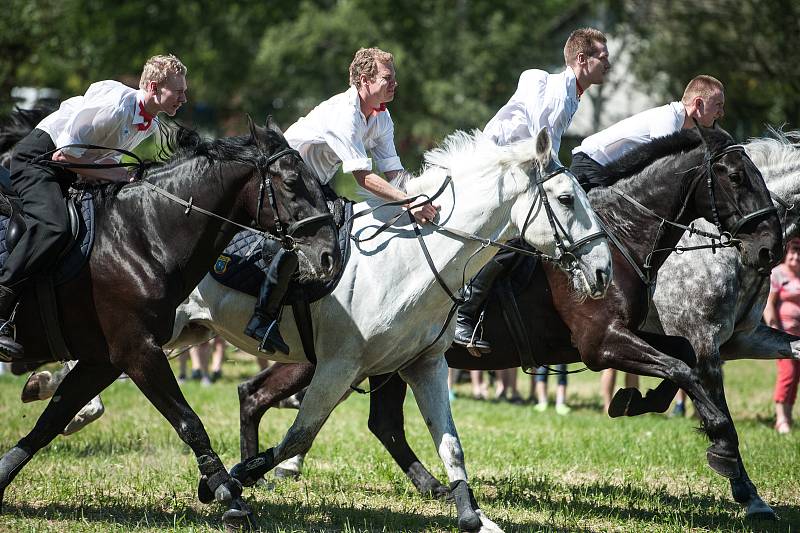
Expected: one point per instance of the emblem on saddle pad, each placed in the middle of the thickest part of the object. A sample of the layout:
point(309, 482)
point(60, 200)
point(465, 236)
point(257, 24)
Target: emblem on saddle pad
point(221, 266)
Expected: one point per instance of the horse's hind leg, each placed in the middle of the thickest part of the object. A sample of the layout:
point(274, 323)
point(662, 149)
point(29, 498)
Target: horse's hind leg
point(630, 402)
point(386, 422)
point(428, 380)
point(265, 390)
point(85, 381)
point(150, 371)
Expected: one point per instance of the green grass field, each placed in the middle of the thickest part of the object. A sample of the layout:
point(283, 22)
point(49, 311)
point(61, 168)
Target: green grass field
point(530, 471)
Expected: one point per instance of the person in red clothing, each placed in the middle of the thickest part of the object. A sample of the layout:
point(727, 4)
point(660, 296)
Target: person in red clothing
point(783, 312)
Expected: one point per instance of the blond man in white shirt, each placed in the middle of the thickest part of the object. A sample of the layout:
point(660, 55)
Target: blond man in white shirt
point(111, 115)
point(541, 100)
point(703, 100)
point(340, 132)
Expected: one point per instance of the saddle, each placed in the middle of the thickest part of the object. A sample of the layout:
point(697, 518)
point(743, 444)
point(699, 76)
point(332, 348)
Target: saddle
point(80, 209)
point(244, 263)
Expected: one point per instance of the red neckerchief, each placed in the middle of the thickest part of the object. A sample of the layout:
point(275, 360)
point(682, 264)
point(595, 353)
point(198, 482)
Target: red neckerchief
point(379, 109)
point(148, 118)
point(578, 86)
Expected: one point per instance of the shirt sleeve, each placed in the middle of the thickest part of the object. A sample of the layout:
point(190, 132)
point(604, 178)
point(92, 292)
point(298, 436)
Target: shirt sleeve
point(345, 139)
point(384, 152)
point(92, 125)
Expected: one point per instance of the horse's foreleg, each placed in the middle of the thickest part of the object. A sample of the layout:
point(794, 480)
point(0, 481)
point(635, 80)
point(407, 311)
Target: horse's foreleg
point(329, 384)
point(386, 422)
point(79, 386)
point(762, 343)
point(150, 371)
point(709, 370)
point(428, 380)
point(623, 350)
point(630, 402)
point(265, 390)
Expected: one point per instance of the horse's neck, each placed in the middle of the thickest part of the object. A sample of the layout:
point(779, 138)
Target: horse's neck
point(481, 209)
point(641, 232)
point(785, 184)
point(186, 237)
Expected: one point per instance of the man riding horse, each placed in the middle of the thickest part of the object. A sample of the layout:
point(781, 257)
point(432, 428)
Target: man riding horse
point(542, 100)
point(110, 115)
point(338, 132)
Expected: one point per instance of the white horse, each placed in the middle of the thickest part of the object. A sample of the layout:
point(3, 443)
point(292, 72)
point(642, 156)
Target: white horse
point(387, 311)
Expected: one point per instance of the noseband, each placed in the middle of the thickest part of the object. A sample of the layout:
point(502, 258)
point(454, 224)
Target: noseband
point(286, 235)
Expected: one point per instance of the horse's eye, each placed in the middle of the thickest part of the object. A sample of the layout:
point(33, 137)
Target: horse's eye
point(566, 199)
point(736, 178)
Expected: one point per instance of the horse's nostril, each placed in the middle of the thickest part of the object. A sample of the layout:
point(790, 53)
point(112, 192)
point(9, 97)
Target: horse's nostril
point(765, 256)
point(327, 263)
point(599, 275)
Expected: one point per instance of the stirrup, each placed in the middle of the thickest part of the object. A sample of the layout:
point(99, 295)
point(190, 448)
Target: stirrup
point(473, 349)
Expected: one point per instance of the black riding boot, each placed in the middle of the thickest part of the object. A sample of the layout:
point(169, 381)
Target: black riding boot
point(9, 348)
point(263, 326)
point(469, 311)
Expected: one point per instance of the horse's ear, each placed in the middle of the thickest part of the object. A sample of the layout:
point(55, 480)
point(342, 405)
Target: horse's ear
point(273, 125)
point(253, 130)
point(544, 146)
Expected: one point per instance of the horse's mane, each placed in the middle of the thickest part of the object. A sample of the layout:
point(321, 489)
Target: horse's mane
point(470, 154)
point(645, 155)
point(181, 144)
point(781, 149)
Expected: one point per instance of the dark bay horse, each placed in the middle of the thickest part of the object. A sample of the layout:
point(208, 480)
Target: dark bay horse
point(149, 253)
point(600, 333)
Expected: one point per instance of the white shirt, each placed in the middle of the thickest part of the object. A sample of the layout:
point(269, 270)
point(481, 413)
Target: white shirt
point(611, 143)
point(336, 133)
point(542, 100)
point(107, 115)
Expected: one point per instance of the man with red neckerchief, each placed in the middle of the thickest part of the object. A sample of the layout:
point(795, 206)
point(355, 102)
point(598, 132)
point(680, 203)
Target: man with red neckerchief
point(111, 115)
point(339, 132)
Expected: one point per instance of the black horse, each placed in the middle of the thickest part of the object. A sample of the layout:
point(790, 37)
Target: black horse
point(665, 180)
point(149, 253)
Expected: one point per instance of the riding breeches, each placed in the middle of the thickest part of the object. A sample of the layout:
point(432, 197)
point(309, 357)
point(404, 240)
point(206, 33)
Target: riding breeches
point(586, 170)
point(41, 190)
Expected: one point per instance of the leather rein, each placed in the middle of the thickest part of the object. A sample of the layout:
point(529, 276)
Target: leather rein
point(285, 234)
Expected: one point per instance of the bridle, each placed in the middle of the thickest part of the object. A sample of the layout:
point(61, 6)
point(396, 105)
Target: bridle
point(723, 239)
point(286, 235)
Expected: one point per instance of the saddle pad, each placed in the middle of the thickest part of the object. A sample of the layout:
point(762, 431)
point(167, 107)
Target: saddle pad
point(71, 263)
point(243, 264)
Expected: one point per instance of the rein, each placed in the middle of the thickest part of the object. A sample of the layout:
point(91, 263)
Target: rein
point(285, 235)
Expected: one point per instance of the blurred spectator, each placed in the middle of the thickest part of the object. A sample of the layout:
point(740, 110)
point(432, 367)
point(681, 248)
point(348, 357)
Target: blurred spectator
point(783, 312)
point(506, 386)
point(539, 388)
point(200, 358)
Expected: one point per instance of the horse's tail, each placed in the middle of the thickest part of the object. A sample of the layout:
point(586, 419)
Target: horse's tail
point(18, 124)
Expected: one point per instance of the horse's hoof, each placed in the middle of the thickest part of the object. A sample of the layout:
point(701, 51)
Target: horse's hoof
point(759, 510)
point(239, 520)
point(727, 467)
point(469, 521)
point(620, 402)
point(284, 473)
point(31, 391)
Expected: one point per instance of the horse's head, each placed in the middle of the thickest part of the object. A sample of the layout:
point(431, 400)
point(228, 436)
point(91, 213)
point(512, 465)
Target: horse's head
point(557, 219)
point(287, 199)
point(731, 193)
